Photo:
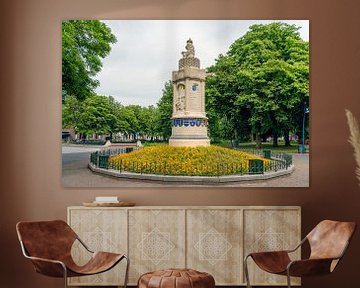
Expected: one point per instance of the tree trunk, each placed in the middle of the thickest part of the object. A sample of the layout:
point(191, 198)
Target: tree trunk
point(258, 141)
point(275, 140)
point(235, 134)
point(287, 139)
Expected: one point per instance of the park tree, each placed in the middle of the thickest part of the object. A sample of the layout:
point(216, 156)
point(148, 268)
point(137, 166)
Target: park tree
point(139, 121)
point(119, 122)
point(143, 119)
point(97, 116)
point(165, 109)
point(131, 116)
point(103, 115)
point(226, 120)
point(124, 126)
point(82, 115)
point(149, 117)
point(84, 44)
point(261, 84)
point(71, 111)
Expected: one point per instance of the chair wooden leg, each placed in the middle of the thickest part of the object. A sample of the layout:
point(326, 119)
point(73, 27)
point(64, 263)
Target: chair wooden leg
point(246, 270)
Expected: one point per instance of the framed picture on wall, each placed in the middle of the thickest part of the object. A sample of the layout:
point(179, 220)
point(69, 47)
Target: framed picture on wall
point(185, 102)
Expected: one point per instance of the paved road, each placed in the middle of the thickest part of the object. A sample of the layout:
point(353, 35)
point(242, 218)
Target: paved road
point(76, 174)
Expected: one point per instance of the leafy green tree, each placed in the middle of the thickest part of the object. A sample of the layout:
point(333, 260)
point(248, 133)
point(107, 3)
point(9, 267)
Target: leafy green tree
point(141, 113)
point(226, 120)
point(71, 111)
point(97, 116)
point(103, 115)
point(84, 44)
point(118, 122)
point(124, 120)
point(139, 121)
point(149, 117)
point(165, 109)
point(131, 116)
point(262, 81)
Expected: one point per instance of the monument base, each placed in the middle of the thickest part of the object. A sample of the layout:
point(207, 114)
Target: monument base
point(189, 142)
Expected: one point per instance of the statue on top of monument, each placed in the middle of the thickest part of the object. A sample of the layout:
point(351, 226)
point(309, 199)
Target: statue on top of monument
point(190, 50)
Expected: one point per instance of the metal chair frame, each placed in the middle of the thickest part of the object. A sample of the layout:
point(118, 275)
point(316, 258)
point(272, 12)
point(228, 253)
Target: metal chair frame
point(288, 276)
point(23, 249)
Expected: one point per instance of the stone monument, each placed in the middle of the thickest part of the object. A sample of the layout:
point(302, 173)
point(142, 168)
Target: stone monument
point(189, 121)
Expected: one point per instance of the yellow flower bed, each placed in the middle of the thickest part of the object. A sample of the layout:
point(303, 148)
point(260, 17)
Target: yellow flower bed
point(189, 161)
point(196, 161)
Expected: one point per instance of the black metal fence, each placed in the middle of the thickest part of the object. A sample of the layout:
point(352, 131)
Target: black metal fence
point(101, 158)
point(274, 162)
point(268, 154)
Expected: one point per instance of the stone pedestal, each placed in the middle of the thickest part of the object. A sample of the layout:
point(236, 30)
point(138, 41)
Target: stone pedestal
point(189, 121)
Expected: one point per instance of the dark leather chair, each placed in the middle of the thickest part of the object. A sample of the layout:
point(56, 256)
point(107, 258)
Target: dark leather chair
point(48, 245)
point(328, 242)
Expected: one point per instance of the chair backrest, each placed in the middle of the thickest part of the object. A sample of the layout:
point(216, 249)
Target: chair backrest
point(46, 239)
point(329, 239)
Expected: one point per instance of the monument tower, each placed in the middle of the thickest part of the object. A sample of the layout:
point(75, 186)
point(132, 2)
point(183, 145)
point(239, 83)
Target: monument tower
point(189, 121)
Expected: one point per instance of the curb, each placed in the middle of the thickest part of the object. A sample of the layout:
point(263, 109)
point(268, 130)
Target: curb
point(191, 179)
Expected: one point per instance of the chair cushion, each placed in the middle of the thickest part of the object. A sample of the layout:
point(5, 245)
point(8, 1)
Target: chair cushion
point(176, 278)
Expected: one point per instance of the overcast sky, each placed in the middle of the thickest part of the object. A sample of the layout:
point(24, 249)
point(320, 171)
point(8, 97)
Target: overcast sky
point(147, 51)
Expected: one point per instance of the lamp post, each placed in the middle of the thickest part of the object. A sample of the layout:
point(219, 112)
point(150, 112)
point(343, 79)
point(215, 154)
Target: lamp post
point(302, 147)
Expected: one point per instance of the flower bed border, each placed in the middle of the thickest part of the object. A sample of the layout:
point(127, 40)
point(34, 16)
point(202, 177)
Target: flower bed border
point(192, 179)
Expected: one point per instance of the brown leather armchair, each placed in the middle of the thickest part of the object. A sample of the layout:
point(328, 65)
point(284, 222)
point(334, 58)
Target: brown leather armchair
point(48, 245)
point(328, 242)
